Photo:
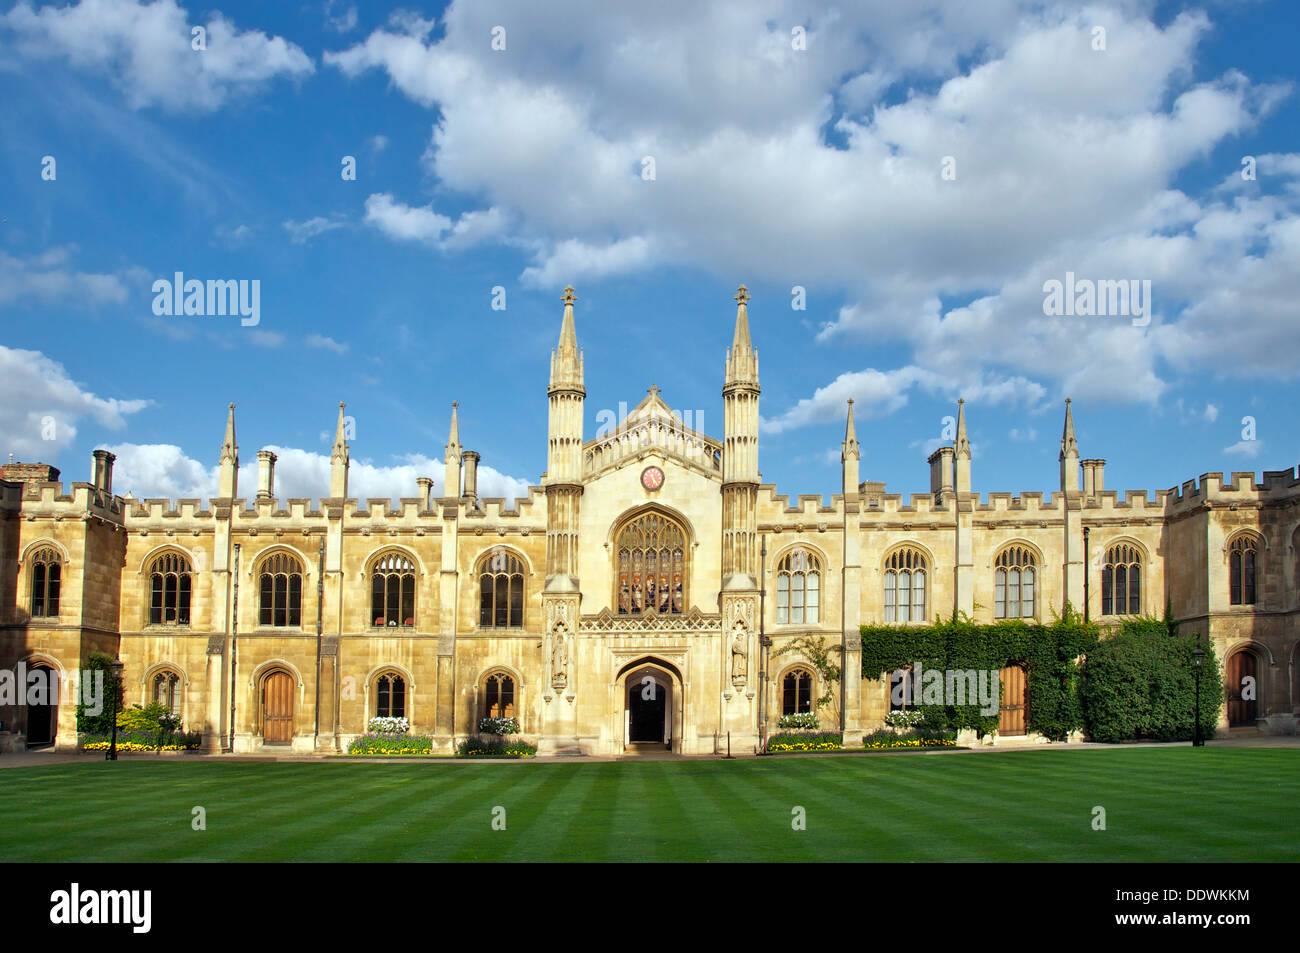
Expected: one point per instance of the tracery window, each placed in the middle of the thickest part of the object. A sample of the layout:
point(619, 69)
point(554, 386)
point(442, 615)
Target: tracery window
point(280, 591)
point(499, 695)
point(1121, 581)
point(797, 692)
point(650, 565)
point(1241, 570)
point(1013, 584)
point(390, 696)
point(47, 580)
point(167, 691)
point(392, 590)
point(169, 590)
point(905, 582)
point(501, 590)
point(798, 587)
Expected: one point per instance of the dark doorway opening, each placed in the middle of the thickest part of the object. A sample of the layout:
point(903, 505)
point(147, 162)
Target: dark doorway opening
point(42, 720)
point(647, 702)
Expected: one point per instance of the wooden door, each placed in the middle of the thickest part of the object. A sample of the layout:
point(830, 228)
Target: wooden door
point(277, 709)
point(1011, 717)
point(1242, 711)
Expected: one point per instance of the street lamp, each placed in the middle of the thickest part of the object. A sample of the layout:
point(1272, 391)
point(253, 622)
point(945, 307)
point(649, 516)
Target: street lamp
point(116, 669)
point(1198, 658)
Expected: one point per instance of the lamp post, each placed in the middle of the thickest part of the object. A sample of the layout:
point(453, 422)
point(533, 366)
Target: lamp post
point(1198, 658)
point(116, 669)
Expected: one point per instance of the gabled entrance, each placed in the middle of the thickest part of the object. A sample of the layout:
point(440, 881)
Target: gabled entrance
point(651, 706)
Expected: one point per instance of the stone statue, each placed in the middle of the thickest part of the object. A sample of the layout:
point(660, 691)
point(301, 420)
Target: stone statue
point(559, 658)
point(738, 653)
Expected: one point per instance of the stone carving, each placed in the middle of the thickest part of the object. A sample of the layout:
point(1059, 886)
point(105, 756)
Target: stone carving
point(559, 657)
point(739, 661)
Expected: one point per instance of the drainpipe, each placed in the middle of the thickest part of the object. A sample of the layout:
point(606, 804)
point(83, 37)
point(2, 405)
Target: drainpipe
point(763, 643)
point(234, 653)
point(320, 609)
point(1087, 601)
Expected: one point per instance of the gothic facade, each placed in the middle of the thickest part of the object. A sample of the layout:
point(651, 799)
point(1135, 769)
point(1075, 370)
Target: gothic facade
point(650, 590)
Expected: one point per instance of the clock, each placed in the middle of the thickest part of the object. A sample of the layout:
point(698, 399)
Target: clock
point(652, 478)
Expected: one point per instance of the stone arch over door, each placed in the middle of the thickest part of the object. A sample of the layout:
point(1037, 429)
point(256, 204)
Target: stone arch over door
point(644, 687)
point(1243, 673)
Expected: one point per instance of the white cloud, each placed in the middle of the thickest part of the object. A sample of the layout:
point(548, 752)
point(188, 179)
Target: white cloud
point(378, 144)
point(422, 224)
point(1211, 413)
point(340, 22)
point(165, 471)
point(49, 277)
point(325, 343)
point(1066, 159)
point(40, 406)
point(302, 232)
point(1245, 448)
point(146, 50)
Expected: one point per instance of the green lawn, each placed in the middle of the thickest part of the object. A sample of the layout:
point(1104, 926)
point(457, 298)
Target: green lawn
point(1162, 804)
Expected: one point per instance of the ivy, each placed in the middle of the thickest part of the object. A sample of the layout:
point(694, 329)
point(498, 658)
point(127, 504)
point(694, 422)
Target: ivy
point(1050, 654)
point(822, 657)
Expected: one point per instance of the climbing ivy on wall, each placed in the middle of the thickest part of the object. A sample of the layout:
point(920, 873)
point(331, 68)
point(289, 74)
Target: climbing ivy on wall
point(1049, 652)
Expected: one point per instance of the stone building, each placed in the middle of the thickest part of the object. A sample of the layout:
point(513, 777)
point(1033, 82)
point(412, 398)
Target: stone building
point(619, 602)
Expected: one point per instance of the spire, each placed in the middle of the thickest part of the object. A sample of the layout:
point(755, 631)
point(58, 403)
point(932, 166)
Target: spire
point(961, 451)
point(230, 449)
point(340, 451)
point(962, 444)
point(452, 458)
point(1069, 445)
point(566, 359)
point(850, 446)
point(742, 359)
point(228, 465)
point(1070, 455)
point(339, 460)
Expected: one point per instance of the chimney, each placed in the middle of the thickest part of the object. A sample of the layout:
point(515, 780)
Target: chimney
point(941, 466)
point(1098, 476)
point(471, 459)
point(426, 491)
point(102, 475)
point(265, 475)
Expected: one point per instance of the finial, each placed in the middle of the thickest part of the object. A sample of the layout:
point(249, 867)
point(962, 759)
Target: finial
point(569, 296)
point(741, 294)
point(455, 403)
point(232, 406)
point(653, 390)
point(850, 401)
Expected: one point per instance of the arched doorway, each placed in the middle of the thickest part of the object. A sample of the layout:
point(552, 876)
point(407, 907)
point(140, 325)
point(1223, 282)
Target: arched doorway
point(650, 707)
point(43, 716)
point(1242, 689)
point(1011, 713)
point(277, 708)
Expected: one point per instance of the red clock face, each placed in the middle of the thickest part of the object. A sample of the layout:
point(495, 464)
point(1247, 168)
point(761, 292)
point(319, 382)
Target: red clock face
point(652, 478)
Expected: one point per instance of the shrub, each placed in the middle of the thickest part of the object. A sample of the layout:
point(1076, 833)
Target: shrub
point(474, 748)
point(386, 725)
point(499, 726)
point(394, 743)
point(823, 741)
point(113, 694)
point(803, 719)
point(154, 716)
point(1140, 685)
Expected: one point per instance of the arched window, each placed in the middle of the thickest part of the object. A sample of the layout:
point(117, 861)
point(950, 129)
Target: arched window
point(1013, 584)
point(47, 577)
point(1241, 570)
point(281, 591)
point(499, 695)
point(169, 590)
point(798, 587)
point(905, 575)
point(650, 561)
point(392, 590)
point(167, 690)
point(1121, 581)
point(797, 691)
point(390, 696)
point(501, 590)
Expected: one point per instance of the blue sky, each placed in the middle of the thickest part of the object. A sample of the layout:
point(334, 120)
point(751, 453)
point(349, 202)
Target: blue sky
point(522, 168)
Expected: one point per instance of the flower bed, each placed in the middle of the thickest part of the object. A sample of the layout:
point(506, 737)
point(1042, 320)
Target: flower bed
point(804, 719)
point(819, 741)
point(478, 748)
point(142, 741)
point(382, 744)
point(886, 739)
point(382, 725)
